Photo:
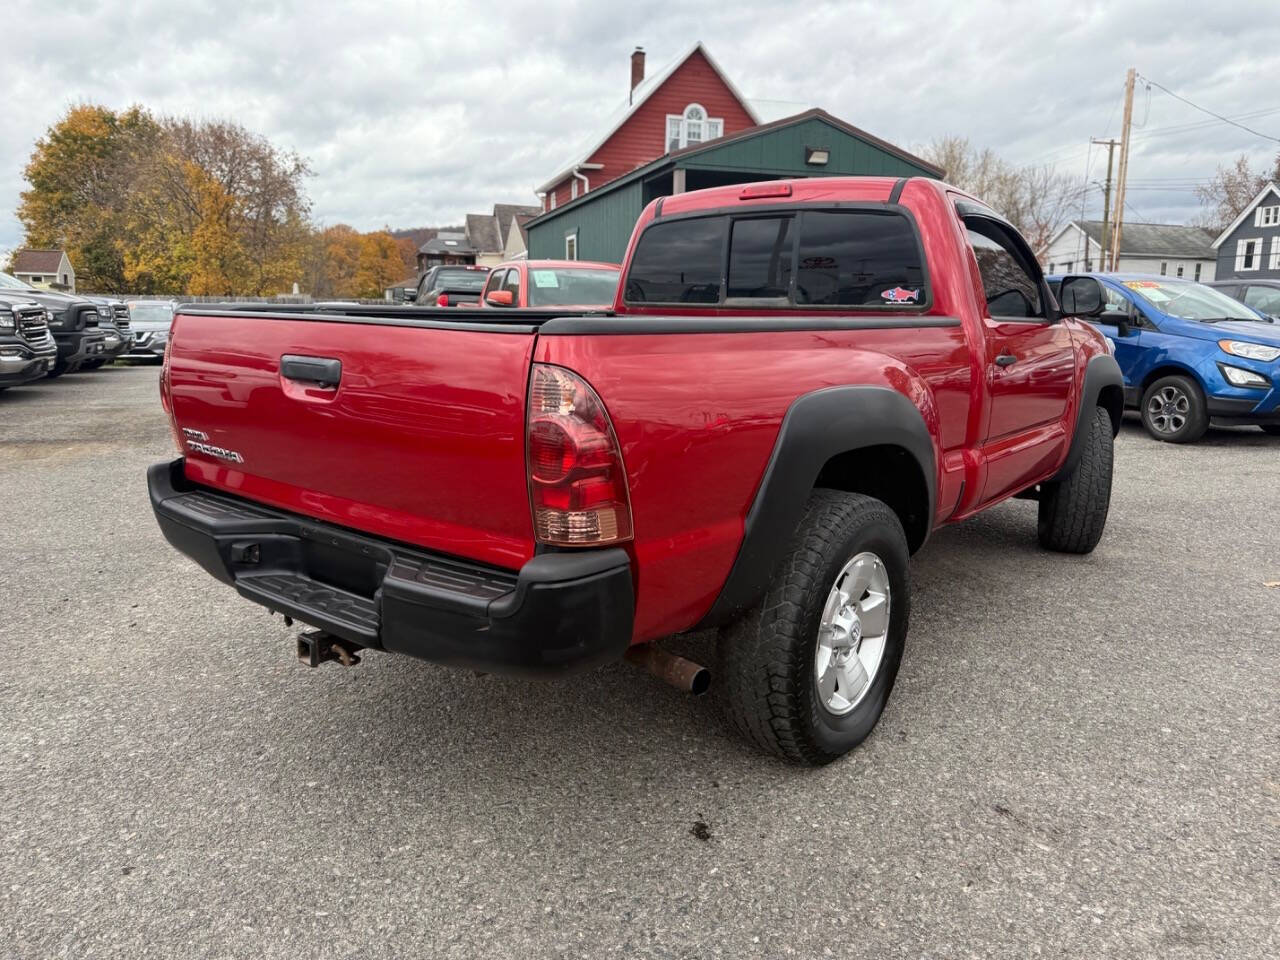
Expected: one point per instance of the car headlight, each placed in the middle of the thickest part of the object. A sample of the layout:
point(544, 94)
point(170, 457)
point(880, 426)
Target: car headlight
point(8, 320)
point(1243, 378)
point(1250, 351)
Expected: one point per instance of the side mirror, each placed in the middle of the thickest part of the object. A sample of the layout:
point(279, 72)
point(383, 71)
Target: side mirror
point(499, 298)
point(1082, 297)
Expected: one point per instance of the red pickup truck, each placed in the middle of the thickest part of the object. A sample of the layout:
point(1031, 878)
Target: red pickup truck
point(799, 381)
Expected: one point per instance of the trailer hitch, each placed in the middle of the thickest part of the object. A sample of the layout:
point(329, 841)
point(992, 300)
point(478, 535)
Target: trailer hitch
point(316, 646)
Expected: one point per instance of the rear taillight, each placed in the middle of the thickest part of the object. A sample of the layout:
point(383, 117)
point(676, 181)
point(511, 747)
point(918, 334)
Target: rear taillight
point(576, 479)
point(442, 300)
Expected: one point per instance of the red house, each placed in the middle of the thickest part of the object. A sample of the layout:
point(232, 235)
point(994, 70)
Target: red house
point(691, 101)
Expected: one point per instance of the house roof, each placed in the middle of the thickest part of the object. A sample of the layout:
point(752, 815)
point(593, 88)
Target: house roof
point(505, 212)
point(1155, 239)
point(447, 242)
point(482, 231)
point(642, 92)
point(694, 149)
point(427, 234)
point(37, 261)
point(1269, 188)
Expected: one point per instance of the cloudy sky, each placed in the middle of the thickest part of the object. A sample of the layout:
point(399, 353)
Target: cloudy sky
point(413, 114)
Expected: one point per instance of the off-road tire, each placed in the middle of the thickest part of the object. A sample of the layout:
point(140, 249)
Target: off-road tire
point(1073, 511)
point(765, 660)
point(1197, 417)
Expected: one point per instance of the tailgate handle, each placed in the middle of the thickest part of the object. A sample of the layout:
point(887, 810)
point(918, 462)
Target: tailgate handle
point(322, 371)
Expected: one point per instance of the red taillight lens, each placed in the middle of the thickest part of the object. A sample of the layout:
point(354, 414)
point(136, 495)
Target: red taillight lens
point(576, 479)
point(442, 300)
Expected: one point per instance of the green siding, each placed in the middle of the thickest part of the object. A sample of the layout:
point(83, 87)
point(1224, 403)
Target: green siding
point(603, 223)
point(782, 152)
point(605, 218)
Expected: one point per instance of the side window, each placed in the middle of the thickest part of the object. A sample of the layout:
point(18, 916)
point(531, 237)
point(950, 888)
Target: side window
point(858, 258)
point(760, 252)
point(1010, 288)
point(495, 281)
point(512, 283)
point(1263, 299)
point(677, 262)
point(1115, 306)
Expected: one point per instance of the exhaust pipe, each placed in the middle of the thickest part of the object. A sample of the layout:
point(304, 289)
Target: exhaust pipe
point(682, 674)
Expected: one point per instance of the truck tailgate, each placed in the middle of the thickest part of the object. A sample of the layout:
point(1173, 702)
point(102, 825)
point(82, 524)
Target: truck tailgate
point(421, 440)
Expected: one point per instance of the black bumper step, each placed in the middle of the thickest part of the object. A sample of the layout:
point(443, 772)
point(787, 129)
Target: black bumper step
point(345, 614)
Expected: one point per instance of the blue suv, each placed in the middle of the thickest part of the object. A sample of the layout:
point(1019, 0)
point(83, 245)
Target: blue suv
point(1188, 352)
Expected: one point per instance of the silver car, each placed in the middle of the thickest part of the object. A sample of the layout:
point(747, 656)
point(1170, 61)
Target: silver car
point(151, 322)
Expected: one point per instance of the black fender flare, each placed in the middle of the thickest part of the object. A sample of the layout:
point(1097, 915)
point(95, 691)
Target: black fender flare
point(817, 427)
point(1101, 373)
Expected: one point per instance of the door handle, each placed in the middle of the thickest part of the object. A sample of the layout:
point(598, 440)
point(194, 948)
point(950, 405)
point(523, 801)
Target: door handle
point(321, 371)
point(1006, 359)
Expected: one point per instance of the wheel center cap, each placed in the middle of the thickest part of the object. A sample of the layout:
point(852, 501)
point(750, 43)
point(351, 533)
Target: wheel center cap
point(855, 631)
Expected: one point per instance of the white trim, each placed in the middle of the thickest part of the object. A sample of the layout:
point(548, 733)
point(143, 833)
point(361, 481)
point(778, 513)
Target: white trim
point(651, 86)
point(1269, 221)
point(1273, 262)
point(573, 189)
point(1270, 187)
point(1242, 251)
point(682, 120)
point(574, 238)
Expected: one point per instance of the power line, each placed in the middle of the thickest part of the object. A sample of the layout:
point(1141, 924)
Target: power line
point(1256, 133)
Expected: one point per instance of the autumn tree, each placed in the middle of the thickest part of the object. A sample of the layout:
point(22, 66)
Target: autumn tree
point(380, 264)
point(80, 178)
point(167, 205)
point(1230, 191)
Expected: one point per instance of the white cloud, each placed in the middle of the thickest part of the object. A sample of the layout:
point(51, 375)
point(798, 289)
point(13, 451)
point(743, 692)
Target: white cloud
point(415, 115)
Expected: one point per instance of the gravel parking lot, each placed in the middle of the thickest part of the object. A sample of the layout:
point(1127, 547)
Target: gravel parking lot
point(1081, 757)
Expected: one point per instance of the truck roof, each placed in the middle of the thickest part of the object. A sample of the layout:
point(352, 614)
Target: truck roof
point(802, 190)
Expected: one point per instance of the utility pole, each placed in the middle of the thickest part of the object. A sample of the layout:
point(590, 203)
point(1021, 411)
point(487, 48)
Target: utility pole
point(1124, 165)
point(1106, 206)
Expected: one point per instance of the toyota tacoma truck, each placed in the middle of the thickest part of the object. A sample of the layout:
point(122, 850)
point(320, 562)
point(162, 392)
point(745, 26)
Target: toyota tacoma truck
point(798, 382)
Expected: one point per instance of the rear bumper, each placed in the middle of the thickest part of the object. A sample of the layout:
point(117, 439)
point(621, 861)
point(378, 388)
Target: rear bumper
point(560, 613)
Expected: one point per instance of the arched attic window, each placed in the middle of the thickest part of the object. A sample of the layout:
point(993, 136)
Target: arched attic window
point(692, 126)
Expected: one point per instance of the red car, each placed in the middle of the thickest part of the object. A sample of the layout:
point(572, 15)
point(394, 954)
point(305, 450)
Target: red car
point(799, 381)
point(563, 284)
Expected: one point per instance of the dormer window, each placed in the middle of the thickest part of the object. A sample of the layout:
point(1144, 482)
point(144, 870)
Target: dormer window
point(692, 127)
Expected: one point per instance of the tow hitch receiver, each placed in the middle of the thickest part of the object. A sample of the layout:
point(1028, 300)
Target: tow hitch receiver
point(316, 646)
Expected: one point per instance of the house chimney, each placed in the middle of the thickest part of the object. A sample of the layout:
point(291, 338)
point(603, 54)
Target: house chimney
point(637, 67)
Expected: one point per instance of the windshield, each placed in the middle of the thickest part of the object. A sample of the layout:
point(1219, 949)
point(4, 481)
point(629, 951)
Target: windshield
point(465, 280)
point(1190, 301)
point(150, 312)
point(12, 283)
point(578, 287)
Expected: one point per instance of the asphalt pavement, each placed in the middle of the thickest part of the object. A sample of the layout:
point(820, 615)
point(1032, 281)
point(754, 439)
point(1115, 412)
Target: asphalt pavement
point(1081, 757)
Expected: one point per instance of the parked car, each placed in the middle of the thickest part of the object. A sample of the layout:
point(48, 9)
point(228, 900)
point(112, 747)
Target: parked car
point(458, 285)
point(73, 321)
point(27, 350)
point(151, 320)
point(572, 284)
point(1261, 295)
point(114, 320)
point(1189, 353)
point(799, 381)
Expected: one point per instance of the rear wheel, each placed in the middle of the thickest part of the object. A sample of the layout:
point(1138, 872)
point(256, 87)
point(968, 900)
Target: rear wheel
point(1073, 511)
point(1173, 410)
point(806, 673)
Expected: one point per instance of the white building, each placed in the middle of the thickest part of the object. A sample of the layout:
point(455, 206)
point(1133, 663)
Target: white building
point(49, 269)
point(1160, 249)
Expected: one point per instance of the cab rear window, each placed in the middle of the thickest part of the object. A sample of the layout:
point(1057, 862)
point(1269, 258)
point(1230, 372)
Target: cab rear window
point(865, 258)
